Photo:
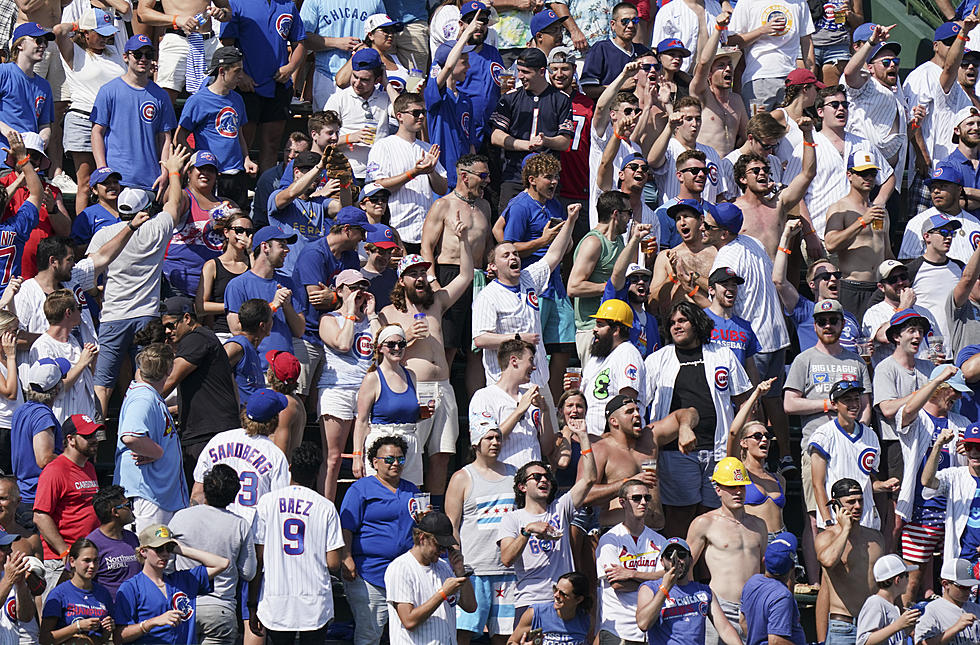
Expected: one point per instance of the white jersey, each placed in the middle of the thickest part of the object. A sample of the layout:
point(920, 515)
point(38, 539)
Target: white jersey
point(259, 462)
point(29, 302)
point(877, 315)
point(922, 87)
point(642, 554)
point(298, 526)
point(757, 299)
point(965, 240)
point(603, 378)
point(9, 624)
point(80, 397)
point(499, 309)
point(598, 145)
point(718, 182)
point(521, 444)
point(917, 439)
point(408, 581)
point(855, 456)
point(881, 114)
point(679, 21)
point(355, 118)
point(408, 205)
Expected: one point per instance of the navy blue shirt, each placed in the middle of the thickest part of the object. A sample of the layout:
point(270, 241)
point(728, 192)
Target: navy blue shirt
point(802, 316)
point(316, 264)
point(482, 85)
point(263, 30)
point(525, 219)
point(605, 60)
point(519, 112)
point(450, 124)
point(248, 370)
point(88, 222)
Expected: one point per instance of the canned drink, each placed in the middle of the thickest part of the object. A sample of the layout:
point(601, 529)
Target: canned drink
point(574, 376)
point(201, 18)
point(840, 15)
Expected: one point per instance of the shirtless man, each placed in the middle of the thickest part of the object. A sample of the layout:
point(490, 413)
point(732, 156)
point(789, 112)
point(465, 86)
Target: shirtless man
point(732, 541)
point(723, 116)
point(440, 248)
point(857, 232)
point(425, 354)
point(765, 214)
point(689, 263)
point(847, 552)
point(183, 18)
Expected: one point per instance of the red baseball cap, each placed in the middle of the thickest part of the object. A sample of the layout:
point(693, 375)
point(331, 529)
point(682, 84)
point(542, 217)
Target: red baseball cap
point(284, 365)
point(800, 76)
point(81, 424)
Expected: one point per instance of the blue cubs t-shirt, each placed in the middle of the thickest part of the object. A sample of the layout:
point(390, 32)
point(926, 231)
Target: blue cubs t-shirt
point(525, 219)
point(482, 85)
point(970, 540)
point(14, 234)
point(337, 20)
point(736, 334)
point(682, 615)
point(770, 608)
point(645, 332)
point(29, 420)
point(139, 598)
point(306, 219)
point(133, 117)
point(450, 116)
point(26, 102)
point(216, 121)
point(69, 604)
point(969, 403)
point(316, 264)
point(248, 370)
point(89, 221)
point(249, 285)
point(263, 31)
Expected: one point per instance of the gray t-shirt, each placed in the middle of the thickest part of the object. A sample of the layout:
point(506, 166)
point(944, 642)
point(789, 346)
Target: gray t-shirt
point(541, 562)
point(876, 613)
point(940, 614)
point(964, 325)
point(132, 286)
point(223, 533)
point(892, 381)
point(814, 372)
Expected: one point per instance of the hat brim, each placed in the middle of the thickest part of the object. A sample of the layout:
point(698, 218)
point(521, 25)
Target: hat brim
point(834, 398)
point(402, 271)
point(445, 540)
point(158, 542)
point(734, 54)
point(8, 538)
point(104, 179)
point(962, 389)
point(685, 52)
point(931, 180)
point(737, 279)
point(677, 208)
point(862, 168)
point(646, 272)
point(385, 244)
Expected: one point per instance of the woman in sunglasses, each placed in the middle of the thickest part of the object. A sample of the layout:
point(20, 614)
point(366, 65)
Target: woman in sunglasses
point(387, 404)
point(79, 606)
point(218, 272)
point(379, 35)
point(568, 619)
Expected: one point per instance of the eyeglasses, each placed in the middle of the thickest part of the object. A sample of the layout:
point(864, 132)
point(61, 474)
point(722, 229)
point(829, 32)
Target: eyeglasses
point(888, 62)
point(631, 111)
point(626, 22)
point(759, 436)
point(755, 170)
point(893, 279)
point(769, 147)
point(836, 104)
point(945, 232)
point(648, 66)
point(396, 344)
point(826, 275)
point(695, 171)
point(415, 113)
point(241, 230)
point(634, 167)
point(126, 504)
point(636, 499)
point(140, 55)
point(392, 460)
point(826, 321)
point(537, 477)
point(482, 175)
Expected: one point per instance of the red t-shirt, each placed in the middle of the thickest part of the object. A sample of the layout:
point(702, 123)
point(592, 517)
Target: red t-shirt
point(575, 160)
point(65, 492)
point(28, 265)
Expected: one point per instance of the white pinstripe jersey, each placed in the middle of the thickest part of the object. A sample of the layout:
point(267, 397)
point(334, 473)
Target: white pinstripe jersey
point(297, 526)
point(666, 175)
point(855, 455)
point(922, 88)
point(757, 299)
point(597, 145)
point(874, 109)
point(408, 581)
point(965, 240)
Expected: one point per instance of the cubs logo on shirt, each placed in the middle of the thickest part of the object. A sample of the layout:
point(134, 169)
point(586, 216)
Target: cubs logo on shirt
point(866, 461)
point(397, 83)
point(721, 378)
point(713, 173)
point(148, 111)
point(532, 299)
point(39, 106)
point(536, 417)
point(496, 69)
point(226, 122)
point(10, 608)
point(182, 603)
point(363, 345)
point(464, 123)
point(631, 372)
point(284, 23)
point(974, 239)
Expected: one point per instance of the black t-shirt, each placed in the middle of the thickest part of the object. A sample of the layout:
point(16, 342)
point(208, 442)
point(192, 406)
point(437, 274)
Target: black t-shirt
point(521, 114)
point(207, 395)
point(691, 391)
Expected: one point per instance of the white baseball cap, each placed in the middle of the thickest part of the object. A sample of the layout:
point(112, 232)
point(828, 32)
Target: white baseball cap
point(959, 571)
point(889, 566)
point(132, 201)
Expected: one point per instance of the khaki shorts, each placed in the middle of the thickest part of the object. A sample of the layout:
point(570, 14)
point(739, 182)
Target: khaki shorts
point(807, 477)
point(413, 43)
point(310, 359)
point(438, 433)
point(52, 68)
point(583, 343)
point(172, 60)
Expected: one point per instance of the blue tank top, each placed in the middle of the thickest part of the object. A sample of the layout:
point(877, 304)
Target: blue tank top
point(556, 631)
point(248, 369)
point(395, 408)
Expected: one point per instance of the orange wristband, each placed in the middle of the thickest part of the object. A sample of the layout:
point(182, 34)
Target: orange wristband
point(672, 278)
point(174, 174)
point(693, 291)
point(719, 27)
point(357, 453)
point(785, 250)
point(444, 596)
point(621, 137)
point(863, 223)
point(586, 451)
point(811, 145)
point(960, 37)
point(411, 175)
point(826, 405)
point(23, 162)
point(175, 21)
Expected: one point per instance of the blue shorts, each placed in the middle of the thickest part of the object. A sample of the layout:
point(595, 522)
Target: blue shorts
point(557, 321)
point(586, 519)
point(830, 54)
point(494, 605)
point(772, 365)
point(115, 341)
point(685, 480)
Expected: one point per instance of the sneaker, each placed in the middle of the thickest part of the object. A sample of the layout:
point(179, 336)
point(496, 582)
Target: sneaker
point(787, 466)
point(65, 184)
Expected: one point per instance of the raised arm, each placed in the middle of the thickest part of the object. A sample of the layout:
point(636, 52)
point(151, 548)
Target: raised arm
point(215, 564)
point(929, 479)
point(961, 292)
point(954, 56)
point(706, 56)
point(788, 295)
point(626, 256)
point(586, 471)
point(853, 71)
point(600, 116)
point(744, 412)
point(562, 241)
point(796, 190)
point(174, 165)
point(607, 171)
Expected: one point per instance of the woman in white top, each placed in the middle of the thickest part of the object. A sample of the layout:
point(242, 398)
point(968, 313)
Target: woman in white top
point(379, 34)
point(90, 61)
point(10, 393)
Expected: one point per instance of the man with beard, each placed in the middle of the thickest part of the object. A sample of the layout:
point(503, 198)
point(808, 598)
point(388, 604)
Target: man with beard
point(482, 83)
point(967, 76)
point(531, 221)
point(934, 273)
point(896, 290)
point(731, 331)
point(630, 283)
point(694, 373)
point(632, 178)
point(966, 155)
point(857, 232)
point(679, 136)
point(614, 365)
point(441, 249)
point(104, 183)
point(725, 118)
point(765, 212)
point(419, 310)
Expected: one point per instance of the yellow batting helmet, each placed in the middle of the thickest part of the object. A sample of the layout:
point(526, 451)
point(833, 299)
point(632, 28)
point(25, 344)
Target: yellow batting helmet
point(731, 472)
point(616, 311)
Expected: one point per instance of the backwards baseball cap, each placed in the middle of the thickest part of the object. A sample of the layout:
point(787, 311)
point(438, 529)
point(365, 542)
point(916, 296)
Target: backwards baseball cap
point(902, 319)
point(139, 41)
point(685, 204)
point(890, 565)
point(178, 306)
point(956, 381)
point(617, 402)
point(156, 535)
point(203, 158)
point(887, 267)
point(353, 216)
point(800, 76)
point(382, 237)
point(101, 174)
point(306, 160)
point(841, 388)
point(779, 554)
point(958, 571)
point(544, 19)
point(863, 32)
point(479, 428)
point(728, 216)
point(971, 434)
point(223, 57)
point(940, 220)
point(673, 44)
point(437, 524)
point(98, 21)
point(861, 160)
point(945, 172)
point(7, 538)
point(442, 52)
point(533, 58)
point(269, 233)
point(845, 487)
point(411, 260)
point(366, 58)
point(47, 373)
point(283, 364)
point(827, 306)
point(263, 405)
point(84, 425)
point(721, 274)
point(567, 55)
point(133, 200)
point(946, 30)
point(31, 29)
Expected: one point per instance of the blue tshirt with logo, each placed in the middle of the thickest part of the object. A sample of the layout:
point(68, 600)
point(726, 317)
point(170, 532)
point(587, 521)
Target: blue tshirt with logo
point(682, 615)
point(263, 30)
point(970, 540)
point(68, 604)
point(139, 598)
point(525, 219)
point(736, 334)
point(249, 285)
point(450, 116)
point(482, 85)
point(215, 121)
point(332, 19)
point(26, 102)
point(88, 222)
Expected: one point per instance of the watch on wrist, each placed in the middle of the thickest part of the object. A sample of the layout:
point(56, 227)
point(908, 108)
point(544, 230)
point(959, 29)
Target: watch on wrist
point(525, 532)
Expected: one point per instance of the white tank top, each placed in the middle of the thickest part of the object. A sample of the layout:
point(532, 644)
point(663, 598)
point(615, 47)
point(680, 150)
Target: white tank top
point(89, 72)
point(346, 370)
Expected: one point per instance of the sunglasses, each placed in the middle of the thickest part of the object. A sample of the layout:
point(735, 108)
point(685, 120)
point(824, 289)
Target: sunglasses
point(631, 111)
point(870, 173)
point(377, 199)
point(126, 504)
point(756, 170)
point(140, 55)
point(759, 436)
point(893, 279)
point(844, 386)
point(827, 321)
point(710, 227)
point(836, 104)
point(391, 31)
point(626, 22)
point(481, 19)
point(396, 344)
point(695, 171)
point(634, 167)
point(970, 63)
point(769, 147)
point(241, 230)
point(826, 275)
point(537, 477)
point(415, 113)
point(166, 548)
point(945, 232)
point(888, 62)
point(170, 326)
point(482, 175)
point(646, 67)
point(636, 499)
point(392, 460)
point(636, 279)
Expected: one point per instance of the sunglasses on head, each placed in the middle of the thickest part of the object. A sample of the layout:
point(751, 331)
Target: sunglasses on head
point(695, 171)
point(636, 499)
point(392, 460)
point(243, 230)
point(396, 344)
point(626, 22)
point(826, 275)
point(140, 55)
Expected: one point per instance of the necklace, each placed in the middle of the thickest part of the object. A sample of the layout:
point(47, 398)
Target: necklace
point(468, 200)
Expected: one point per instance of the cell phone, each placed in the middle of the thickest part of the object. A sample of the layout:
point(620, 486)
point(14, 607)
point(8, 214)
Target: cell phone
point(468, 571)
point(555, 221)
point(535, 636)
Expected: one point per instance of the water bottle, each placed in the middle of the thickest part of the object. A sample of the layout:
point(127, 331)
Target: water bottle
point(201, 18)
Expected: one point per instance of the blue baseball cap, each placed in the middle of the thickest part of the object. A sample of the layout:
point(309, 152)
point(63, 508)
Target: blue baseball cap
point(636, 156)
point(892, 45)
point(263, 405)
point(7, 538)
point(382, 237)
point(728, 216)
point(779, 554)
point(544, 19)
point(971, 434)
point(946, 30)
point(204, 158)
point(673, 44)
point(353, 216)
point(100, 175)
point(675, 542)
point(139, 41)
point(269, 233)
point(956, 381)
point(904, 317)
point(685, 204)
point(442, 52)
point(31, 29)
point(940, 220)
point(946, 172)
point(863, 32)
point(98, 21)
point(366, 58)
point(472, 7)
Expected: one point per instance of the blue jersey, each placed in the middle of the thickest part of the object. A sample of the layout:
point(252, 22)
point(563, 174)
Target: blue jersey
point(736, 334)
point(88, 222)
point(644, 335)
point(316, 264)
point(139, 598)
point(482, 85)
point(682, 616)
point(69, 604)
point(525, 219)
point(248, 370)
point(249, 285)
point(30, 419)
point(26, 103)
point(332, 19)
point(970, 403)
point(407, 11)
point(307, 219)
point(14, 234)
point(970, 540)
point(521, 115)
point(450, 124)
point(132, 118)
point(216, 121)
point(556, 631)
point(770, 608)
point(605, 60)
point(263, 30)
point(802, 315)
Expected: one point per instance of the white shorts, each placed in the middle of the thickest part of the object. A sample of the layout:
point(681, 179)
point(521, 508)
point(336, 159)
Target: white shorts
point(439, 432)
point(338, 403)
point(413, 459)
point(172, 60)
point(146, 513)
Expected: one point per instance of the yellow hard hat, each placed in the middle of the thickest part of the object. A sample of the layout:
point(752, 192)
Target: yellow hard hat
point(731, 472)
point(616, 311)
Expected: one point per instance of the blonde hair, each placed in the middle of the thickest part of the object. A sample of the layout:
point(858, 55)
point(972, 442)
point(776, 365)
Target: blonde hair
point(744, 432)
point(155, 361)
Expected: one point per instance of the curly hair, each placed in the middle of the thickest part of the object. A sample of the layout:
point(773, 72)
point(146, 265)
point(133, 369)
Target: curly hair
point(539, 165)
point(698, 319)
point(520, 478)
point(826, 93)
point(388, 440)
point(276, 385)
point(743, 163)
